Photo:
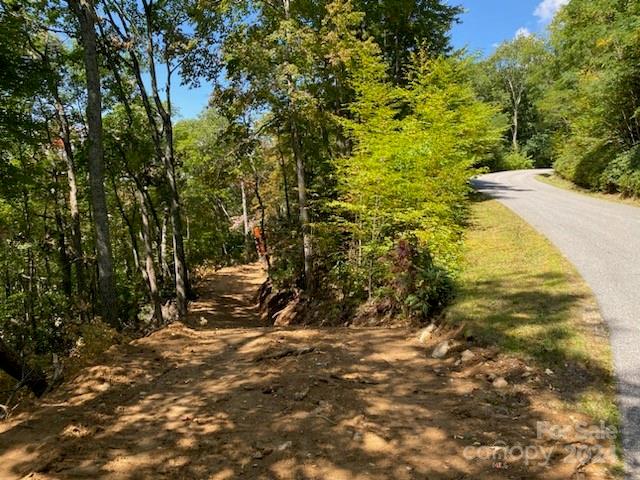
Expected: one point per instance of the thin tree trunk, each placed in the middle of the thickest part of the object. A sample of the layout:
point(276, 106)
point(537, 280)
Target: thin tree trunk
point(516, 98)
point(307, 247)
point(129, 225)
point(180, 262)
point(166, 271)
point(65, 263)
point(245, 217)
point(514, 130)
point(76, 232)
point(181, 271)
point(262, 220)
point(149, 265)
point(85, 13)
point(286, 186)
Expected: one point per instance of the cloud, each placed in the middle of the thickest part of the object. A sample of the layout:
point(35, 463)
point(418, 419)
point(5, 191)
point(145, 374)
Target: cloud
point(546, 9)
point(522, 32)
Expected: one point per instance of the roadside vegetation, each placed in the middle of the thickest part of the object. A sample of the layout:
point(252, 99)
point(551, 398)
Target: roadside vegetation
point(518, 292)
point(572, 98)
point(558, 181)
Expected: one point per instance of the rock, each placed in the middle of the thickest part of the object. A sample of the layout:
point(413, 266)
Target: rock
point(284, 446)
point(500, 382)
point(169, 312)
point(467, 355)
point(441, 350)
point(301, 395)
point(548, 371)
point(425, 334)
point(203, 322)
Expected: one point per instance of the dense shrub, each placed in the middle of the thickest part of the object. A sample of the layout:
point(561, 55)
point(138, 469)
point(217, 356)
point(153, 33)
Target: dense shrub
point(623, 173)
point(516, 161)
point(403, 191)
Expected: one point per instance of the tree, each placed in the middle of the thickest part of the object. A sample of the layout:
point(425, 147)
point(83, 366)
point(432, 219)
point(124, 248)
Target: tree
point(416, 148)
point(511, 77)
point(594, 96)
point(153, 33)
point(401, 27)
point(85, 14)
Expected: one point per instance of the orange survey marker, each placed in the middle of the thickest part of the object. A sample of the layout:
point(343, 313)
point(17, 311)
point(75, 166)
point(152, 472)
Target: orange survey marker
point(260, 245)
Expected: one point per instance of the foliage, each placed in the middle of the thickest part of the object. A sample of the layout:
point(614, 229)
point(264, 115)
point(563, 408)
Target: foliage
point(513, 78)
point(211, 178)
point(595, 94)
point(415, 150)
point(516, 161)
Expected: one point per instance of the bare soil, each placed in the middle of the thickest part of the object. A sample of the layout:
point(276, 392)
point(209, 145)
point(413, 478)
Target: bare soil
point(226, 398)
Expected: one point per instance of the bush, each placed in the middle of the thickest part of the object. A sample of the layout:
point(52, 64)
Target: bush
point(583, 162)
point(623, 174)
point(422, 289)
point(514, 160)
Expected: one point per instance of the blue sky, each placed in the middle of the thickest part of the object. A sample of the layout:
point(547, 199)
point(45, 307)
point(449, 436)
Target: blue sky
point(485, 24)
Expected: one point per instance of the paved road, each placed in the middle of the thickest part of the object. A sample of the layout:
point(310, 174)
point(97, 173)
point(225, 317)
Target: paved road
point(602, 239)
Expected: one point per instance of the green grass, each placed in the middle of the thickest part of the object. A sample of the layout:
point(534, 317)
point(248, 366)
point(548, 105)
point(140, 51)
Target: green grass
point(557, 181)
point(519, 293)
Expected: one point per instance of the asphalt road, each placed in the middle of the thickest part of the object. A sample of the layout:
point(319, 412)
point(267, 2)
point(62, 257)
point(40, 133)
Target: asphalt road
point(602, 239)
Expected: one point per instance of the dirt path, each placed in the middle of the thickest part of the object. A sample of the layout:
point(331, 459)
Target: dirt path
point(228, 399)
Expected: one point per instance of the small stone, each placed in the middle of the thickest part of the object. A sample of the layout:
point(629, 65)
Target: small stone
point(357, 436)
point(285, 446)
point(467, 355)
point(301, 395)
point(425, 334)
point(203, 321)
point(500, 382)
point(441, 350)
point(548, 371)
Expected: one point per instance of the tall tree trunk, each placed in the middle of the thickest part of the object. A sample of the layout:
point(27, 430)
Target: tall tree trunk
point(262, 219)
point(285, 183)
point(307, 247)
point(181, 271)
point(164, 263)
point(245, 217)
point(149, 264)
point(85, 13)
point(180, 261)
point(130, 229)
point(514, 130)
point(65, 263)
point(32, 377)
point(76, 232)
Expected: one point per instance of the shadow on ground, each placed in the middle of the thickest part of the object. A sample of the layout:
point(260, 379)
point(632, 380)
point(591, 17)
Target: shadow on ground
point(229, 402)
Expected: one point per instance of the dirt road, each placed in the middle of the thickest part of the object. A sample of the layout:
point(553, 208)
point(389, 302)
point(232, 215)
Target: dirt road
point(229, 399)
